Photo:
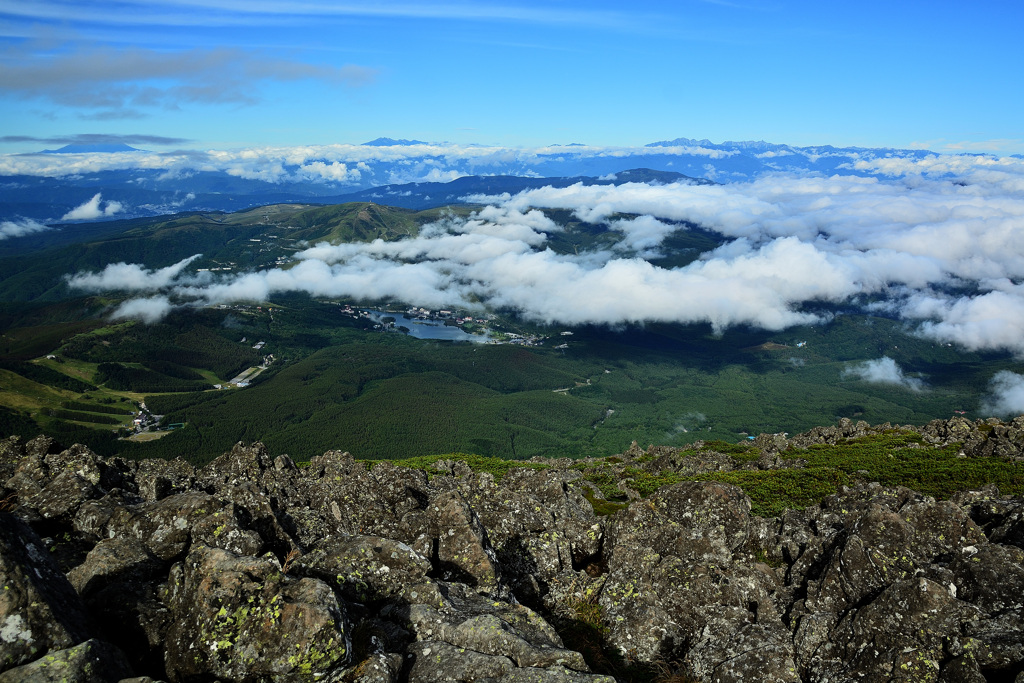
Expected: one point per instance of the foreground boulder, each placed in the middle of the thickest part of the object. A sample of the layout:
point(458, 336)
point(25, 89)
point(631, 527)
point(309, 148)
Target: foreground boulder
point(241, 618)
point(40, 610)
point(91, 662)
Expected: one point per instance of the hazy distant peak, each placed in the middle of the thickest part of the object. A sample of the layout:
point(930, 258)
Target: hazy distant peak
point(85, 149)
point(389, 142)
point(682, 142)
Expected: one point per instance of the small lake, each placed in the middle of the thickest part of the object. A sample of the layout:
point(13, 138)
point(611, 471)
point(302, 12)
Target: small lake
point(428, 329)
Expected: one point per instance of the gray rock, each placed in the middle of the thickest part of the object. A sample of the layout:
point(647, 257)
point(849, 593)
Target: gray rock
point(94, 661)
point(671, 571)
point(156, 479)
point(240, 618)
point(462, 550)
point(364, 568)
point(117, 582)
point(901, 633)
point(381, 667)
point(552, 674)
point(39, 609)
point(434, 661)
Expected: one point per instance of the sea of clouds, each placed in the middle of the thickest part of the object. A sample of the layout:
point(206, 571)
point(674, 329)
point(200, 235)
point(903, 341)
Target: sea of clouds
point(937, 242)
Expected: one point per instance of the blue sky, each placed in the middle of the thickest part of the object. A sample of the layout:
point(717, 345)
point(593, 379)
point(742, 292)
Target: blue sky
point(249, 73)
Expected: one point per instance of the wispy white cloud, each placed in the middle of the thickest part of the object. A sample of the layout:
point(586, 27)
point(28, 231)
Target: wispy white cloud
point(91, 210)
point(96, 139)
point(1005, 395)
point(149, 310)
point(243, 13)
point(126, 80)
point(882, 370)
point(995, 146)
point(19, 228)
point(130, 277)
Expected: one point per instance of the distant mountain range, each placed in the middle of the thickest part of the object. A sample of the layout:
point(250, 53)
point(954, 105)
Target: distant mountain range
point(145, 194)
point(49, 185)
point(88, 149)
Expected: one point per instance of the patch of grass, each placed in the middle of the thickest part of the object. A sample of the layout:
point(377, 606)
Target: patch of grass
point(478, 463)
point(774, 491)
point(900, 460)
point(603, 508)
point(604, 478)
point(895, 458)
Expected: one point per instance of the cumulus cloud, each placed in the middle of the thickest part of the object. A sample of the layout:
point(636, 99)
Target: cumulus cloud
point(882, 370)
point(993, 320)
point(148, 310)
point(643, 234)
point(19, 228)
point(334, 171)
point(130, 277)
point(1006, 395)
point(91, 210)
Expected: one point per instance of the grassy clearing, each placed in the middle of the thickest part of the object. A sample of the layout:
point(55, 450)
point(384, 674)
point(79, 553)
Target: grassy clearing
point(24, 395)
point(144, 437)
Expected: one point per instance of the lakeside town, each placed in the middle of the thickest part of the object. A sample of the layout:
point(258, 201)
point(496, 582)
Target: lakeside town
point(447, 324)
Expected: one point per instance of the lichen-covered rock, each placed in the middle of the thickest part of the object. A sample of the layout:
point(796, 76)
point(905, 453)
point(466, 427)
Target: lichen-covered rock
point(552, 674)
point(241, 618)
point(538, 522)
point(39, 609)
point(364, 568)
point(347, 497)
point(700, 522)
point(455, 616)
point(111, 559)
point(674, 588)
point(900, 634)
point(263, 486)
point(756, 651)
point(169, 526)
point(56, 484)
point(1001, 518)
point(462, 551)
point(93, 661)
point(435, 661)
point(118, 584)
point(221, 573)
point(380, 667)
point(156, 479)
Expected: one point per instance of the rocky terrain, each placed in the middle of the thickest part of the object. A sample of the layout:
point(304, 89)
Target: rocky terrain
point(253, 568)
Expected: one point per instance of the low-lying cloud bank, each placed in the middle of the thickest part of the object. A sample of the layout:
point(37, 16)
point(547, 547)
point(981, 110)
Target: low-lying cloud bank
point(20, 228)
point(389, 162)
point(941, 248)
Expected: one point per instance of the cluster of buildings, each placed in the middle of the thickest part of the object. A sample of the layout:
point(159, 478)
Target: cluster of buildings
point(520, 339)
point(458, 318)
point(443, 314)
